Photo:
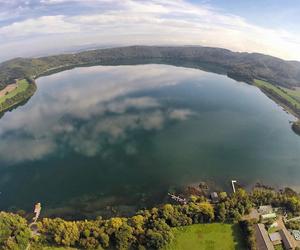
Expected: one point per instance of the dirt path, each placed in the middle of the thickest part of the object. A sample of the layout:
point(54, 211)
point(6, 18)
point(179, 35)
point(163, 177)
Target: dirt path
point(8, 89)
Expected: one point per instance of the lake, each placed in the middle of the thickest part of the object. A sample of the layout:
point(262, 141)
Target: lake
point(111, 139)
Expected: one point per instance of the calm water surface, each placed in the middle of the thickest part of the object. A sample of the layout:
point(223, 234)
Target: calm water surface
point(105, 138)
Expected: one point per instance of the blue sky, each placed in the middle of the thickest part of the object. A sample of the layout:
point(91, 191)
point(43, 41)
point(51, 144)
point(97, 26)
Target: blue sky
point(40, 27)
point(268, 13)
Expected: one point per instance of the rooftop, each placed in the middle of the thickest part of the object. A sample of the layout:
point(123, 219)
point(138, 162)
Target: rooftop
point(275, 237)
point(267, 209)
point(296, 234)
point(263, 242)
point(287, 242)
point(269, 216)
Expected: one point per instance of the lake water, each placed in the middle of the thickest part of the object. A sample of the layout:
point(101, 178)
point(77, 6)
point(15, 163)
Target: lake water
point(104, 139)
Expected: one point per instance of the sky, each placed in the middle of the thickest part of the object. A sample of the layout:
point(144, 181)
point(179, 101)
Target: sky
point(41, 27)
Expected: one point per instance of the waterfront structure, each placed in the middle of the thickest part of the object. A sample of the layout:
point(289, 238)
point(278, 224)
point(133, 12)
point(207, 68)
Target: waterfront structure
point(232, 184)
point(286, 239)
point(275, 238)
point(296, 234)
point(214, 197)
point(37, 211)
point(263, 241)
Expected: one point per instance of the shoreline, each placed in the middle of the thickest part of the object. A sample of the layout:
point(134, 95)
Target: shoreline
point(152, 228)
point(202, 66)
point(19, 98)
point(282, 101)
point(88, 207)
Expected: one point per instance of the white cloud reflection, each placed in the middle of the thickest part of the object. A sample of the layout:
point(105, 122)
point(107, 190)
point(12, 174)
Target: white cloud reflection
point(180, 114)
point(84, 109)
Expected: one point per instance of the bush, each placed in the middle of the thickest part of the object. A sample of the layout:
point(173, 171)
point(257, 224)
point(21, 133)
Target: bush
point(14, 231)
point(248, 231)
point(60, 232)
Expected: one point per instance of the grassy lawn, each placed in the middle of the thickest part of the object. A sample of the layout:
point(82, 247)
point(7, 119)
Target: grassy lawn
point(22, 86)
point(272, 230)
point(279, 247)
point(215, 236)
point(289, 96)
point(295, 93)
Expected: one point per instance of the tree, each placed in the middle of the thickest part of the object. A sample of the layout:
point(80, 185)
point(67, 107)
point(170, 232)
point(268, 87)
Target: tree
point(293, 204)
point(92, 235)
point(14, 232)
point(207, 211)
point(248, 231)
point(124, 237)
point(116, 223)
point(60, 232)
point(201, 212)
point(221, 212)
point(222, 196)
point(158, 235)
point(137, 222)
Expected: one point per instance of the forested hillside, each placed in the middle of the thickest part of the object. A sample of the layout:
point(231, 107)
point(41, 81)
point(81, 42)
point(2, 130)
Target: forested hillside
point(242, 66)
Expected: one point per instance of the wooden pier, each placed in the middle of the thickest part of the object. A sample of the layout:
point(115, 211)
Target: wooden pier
point(178, 199)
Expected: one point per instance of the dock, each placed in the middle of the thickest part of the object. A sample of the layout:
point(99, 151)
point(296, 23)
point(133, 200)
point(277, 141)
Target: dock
point(178, 199)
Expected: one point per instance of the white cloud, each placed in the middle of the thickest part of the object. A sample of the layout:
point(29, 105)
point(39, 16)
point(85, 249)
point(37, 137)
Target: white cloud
point(145, 22)
point(43, 25)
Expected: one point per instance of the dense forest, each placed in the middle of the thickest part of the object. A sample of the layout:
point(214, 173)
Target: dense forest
point(149, 228)
point(240, 66)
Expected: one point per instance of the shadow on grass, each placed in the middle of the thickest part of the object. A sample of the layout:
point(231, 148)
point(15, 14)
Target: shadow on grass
point(238, 237)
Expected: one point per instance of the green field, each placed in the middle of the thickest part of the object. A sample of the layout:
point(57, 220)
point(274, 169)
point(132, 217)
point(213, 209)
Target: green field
point(287, 94)
point(295, 93)
point(22, 86)
point(279, 247)
point(215, 236)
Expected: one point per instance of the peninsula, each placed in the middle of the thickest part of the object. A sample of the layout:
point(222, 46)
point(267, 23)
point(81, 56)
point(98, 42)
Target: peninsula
point(16, 93)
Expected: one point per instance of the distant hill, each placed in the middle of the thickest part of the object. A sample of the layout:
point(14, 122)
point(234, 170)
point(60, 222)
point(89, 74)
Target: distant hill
point(240, 66)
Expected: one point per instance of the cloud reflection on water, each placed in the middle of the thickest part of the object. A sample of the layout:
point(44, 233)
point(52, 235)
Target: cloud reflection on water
point(87, 108)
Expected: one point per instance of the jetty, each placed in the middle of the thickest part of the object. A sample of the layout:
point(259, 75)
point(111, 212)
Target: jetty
point(178, 198)
point(232, 184)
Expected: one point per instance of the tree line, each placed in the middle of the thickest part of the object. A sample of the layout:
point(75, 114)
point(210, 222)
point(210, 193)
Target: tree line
point(149, 228)
point(238, 65)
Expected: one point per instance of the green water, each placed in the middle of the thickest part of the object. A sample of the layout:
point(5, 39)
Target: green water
point(104, 139)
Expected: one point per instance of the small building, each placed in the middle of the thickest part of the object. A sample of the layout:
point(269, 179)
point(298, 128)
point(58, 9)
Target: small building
point(263, 241)
point(268, 216)
point(275, 238)
point(266, 212)
point(214, 197)
point(296, 234)
point(286, 239)
point(265, 209)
